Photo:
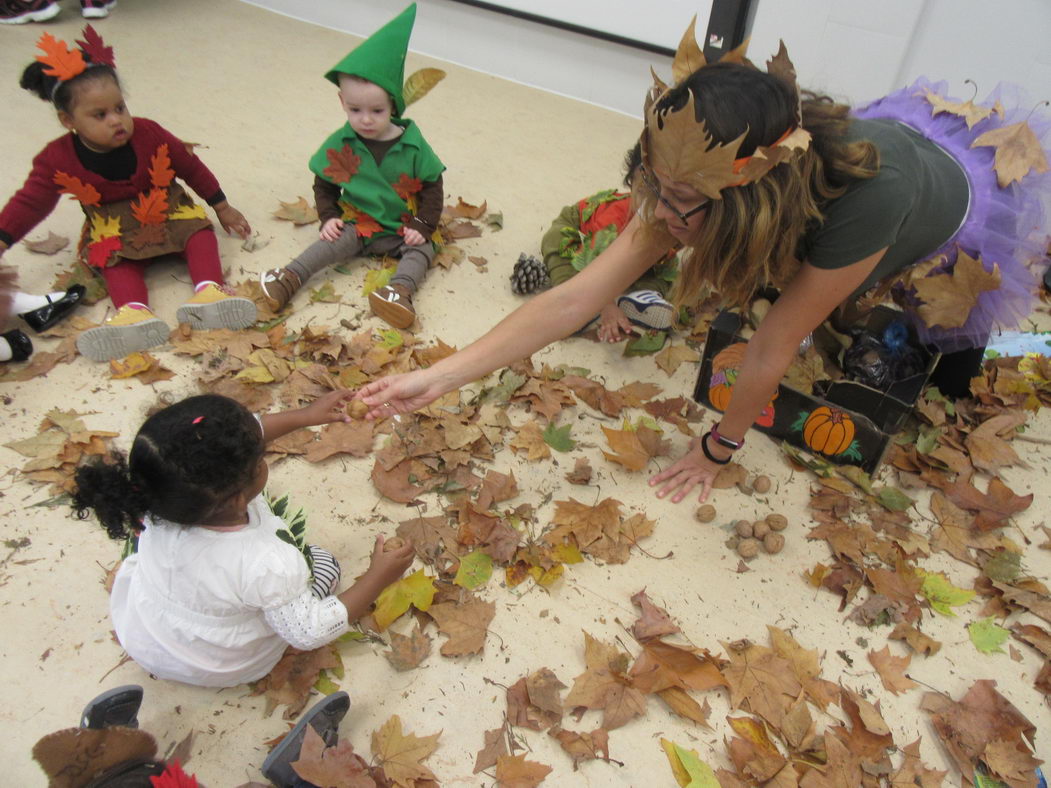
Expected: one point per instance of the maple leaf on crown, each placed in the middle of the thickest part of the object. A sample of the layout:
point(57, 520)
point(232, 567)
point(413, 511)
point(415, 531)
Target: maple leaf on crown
point(161, 172)
point(406, 186)
point(76, 188)
point(93, 46)
point(342, 164)
point(61, 61)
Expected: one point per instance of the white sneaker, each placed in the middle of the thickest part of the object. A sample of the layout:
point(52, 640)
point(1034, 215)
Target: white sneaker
point(648, 309)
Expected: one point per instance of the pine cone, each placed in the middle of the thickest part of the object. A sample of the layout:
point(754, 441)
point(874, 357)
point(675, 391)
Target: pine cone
point(529, 275)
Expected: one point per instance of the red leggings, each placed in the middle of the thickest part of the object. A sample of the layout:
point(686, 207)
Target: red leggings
point(126, 282)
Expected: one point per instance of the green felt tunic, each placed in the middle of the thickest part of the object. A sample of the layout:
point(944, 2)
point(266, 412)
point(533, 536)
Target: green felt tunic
point(916, 202)
point(371, 188)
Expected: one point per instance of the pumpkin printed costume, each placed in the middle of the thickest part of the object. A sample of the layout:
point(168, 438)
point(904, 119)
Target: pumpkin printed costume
point(378, 187)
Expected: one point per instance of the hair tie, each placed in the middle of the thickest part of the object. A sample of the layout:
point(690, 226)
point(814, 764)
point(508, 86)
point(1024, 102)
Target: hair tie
point(198, 420)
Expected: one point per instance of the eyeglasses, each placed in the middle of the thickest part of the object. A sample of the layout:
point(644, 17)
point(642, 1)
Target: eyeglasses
point(654, 187)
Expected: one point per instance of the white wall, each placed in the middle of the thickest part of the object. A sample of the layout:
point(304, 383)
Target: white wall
point(854, 49)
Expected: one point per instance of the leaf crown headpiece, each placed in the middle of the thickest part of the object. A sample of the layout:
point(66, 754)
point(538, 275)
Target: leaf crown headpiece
point(64, 63)
point(683, 149)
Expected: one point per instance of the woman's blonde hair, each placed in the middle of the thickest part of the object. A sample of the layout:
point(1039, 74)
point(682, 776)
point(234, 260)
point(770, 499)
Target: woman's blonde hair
point(749, 238)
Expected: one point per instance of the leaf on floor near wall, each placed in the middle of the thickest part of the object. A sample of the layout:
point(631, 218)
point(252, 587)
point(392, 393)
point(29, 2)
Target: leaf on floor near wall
point(298, 212)
point(53, 244)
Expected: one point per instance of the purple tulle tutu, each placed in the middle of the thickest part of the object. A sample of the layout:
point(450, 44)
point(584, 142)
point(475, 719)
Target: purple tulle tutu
point(1005, 227)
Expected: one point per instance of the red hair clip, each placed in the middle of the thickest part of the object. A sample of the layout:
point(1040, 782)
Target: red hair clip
point(198, 420)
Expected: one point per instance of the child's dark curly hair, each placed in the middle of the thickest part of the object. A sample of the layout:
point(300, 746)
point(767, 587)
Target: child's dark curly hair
point(186, 460)
point(63, 97)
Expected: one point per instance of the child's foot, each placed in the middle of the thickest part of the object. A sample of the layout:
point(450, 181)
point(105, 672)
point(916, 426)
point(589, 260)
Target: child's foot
point(114, 708)
point(324, 717)
point(53, 309)
point(15, 346)
point(18, 12)
point(96, 9)
point(393, 303)
point(279, 285)
point(216, 307)
point(132, 328)
point(646, 308)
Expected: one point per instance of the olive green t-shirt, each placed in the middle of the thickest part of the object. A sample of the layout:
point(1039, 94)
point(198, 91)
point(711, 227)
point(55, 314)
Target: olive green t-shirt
point(913, 205)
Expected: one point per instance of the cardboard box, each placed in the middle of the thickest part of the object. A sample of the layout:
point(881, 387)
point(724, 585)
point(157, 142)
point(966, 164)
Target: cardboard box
point(853, 424)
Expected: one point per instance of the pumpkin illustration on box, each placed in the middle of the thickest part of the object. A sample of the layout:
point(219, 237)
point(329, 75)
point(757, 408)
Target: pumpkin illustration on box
point(725, 365)
point(828, 431)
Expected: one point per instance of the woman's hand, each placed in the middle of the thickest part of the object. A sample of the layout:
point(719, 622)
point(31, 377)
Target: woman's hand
point(232, 220)
point(613, 324)
point(412, 237)
point(328, 408)
point(691, 469)
point(399, 394)
point(388, 565)
point(331, 230)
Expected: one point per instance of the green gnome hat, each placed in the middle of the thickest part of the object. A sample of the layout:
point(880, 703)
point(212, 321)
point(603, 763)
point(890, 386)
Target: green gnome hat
point(380, 58)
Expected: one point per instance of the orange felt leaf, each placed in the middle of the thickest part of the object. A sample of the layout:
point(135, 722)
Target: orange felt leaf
point(342, 164)
point(61, 61)
point(161, 172)
point(84, 192)
point(406, 186)
point(151, 207)
point(365, 225)
point(100, 252)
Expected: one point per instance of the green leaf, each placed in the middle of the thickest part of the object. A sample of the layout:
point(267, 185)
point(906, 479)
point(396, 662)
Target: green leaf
point(927, 441)
point(325, 294)
point(933, 394)
point(495, 220)
point(558, 437)
point(688, 768)
point(821, 467)
point(417, 590)
point(646, 344)
point(475, 570)
point(377, 278)
point(352, 637)
point(894, 499)
point(391, 338)
point(510, 382)
point(594, 247)
point(62, 499)
point(1003, 566)
point(942, 594)
point(856, 476)
point(987, 636)
point(324, 684)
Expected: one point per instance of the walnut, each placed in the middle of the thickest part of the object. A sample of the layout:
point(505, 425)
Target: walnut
point(394, 543)
point(773, 542)
point(762, 485)
point(777, 522)
point(748, 548)
point(357, 409)
point(760, 528)
point(705, 514)
point(743, 529)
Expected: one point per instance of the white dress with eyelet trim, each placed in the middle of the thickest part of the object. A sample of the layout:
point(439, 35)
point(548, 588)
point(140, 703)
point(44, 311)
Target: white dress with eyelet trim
point(218, 608)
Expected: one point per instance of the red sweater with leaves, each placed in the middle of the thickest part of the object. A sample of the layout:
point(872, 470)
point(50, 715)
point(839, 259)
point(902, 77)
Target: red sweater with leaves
point(38, 196)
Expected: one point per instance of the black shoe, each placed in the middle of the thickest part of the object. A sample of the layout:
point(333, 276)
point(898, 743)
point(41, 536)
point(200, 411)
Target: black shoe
point(21, 347)
point(114, 708)
point(324, 717)
point(42, 318)
point(1047, 277)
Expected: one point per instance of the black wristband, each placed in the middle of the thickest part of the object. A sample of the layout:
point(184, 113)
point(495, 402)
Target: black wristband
point(708, 454)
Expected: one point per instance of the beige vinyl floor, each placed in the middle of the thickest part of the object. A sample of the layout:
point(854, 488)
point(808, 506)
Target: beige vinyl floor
point(247, 85)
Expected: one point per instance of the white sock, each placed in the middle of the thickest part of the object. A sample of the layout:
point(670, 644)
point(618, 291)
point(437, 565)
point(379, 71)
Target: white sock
point(201, 285)
point(27, 302)
point(5, 349)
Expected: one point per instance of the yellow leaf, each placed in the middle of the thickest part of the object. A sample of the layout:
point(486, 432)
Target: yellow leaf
point(420, 83)
point(104, 227)
point(188, 212)
point(131, 365)
point(416, 590)
point(377, 278)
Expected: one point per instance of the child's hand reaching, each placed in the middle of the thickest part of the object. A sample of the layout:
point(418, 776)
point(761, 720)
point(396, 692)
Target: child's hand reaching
point(328, 408)
point(388, 565)
point(232, 220)
point(613, 324)
point(331, 230)
point(412, 237)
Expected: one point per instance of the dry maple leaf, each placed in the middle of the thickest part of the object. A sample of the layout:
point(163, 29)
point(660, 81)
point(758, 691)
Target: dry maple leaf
point(662, 665)
point(466, 625)
point(949, 298)
point(408, 651)
point(523, 713)
point(762, 680)
point(293, 677)
point(918, 642)
point(583, 746)
point(529, 440)
point(514, 771)
point(465, 210)
point(399, 754)
point(891, 670)
point(495, 746)
point(354, 438)
point(298, 212)
point(968, 110)
point(1018, 150)
point(53, 244)
point(680, 702)
point(331, 767)
point(627, 449)
point(993, 506)
point(672, 356)
point(395, 484)
point(912, 771)
point(653, 621)
point(753, 753)
point(581, 473)
point(595, 395)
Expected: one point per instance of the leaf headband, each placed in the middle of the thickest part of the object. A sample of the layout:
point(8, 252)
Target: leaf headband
point(64, 63)
point(681, 145)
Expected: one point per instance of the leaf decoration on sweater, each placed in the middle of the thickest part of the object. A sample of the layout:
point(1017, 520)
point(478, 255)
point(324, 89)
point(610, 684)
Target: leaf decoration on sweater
point(1017, 152)
point(103, 226)
point(151, 207)
point(161, 172)
point(365, 225)
point(95, 48)
point(342, 164)
point(100, 252)
point(420, 83)
point(84, 192)
point(188, 212)
point(406, 186)
point(61, 61)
